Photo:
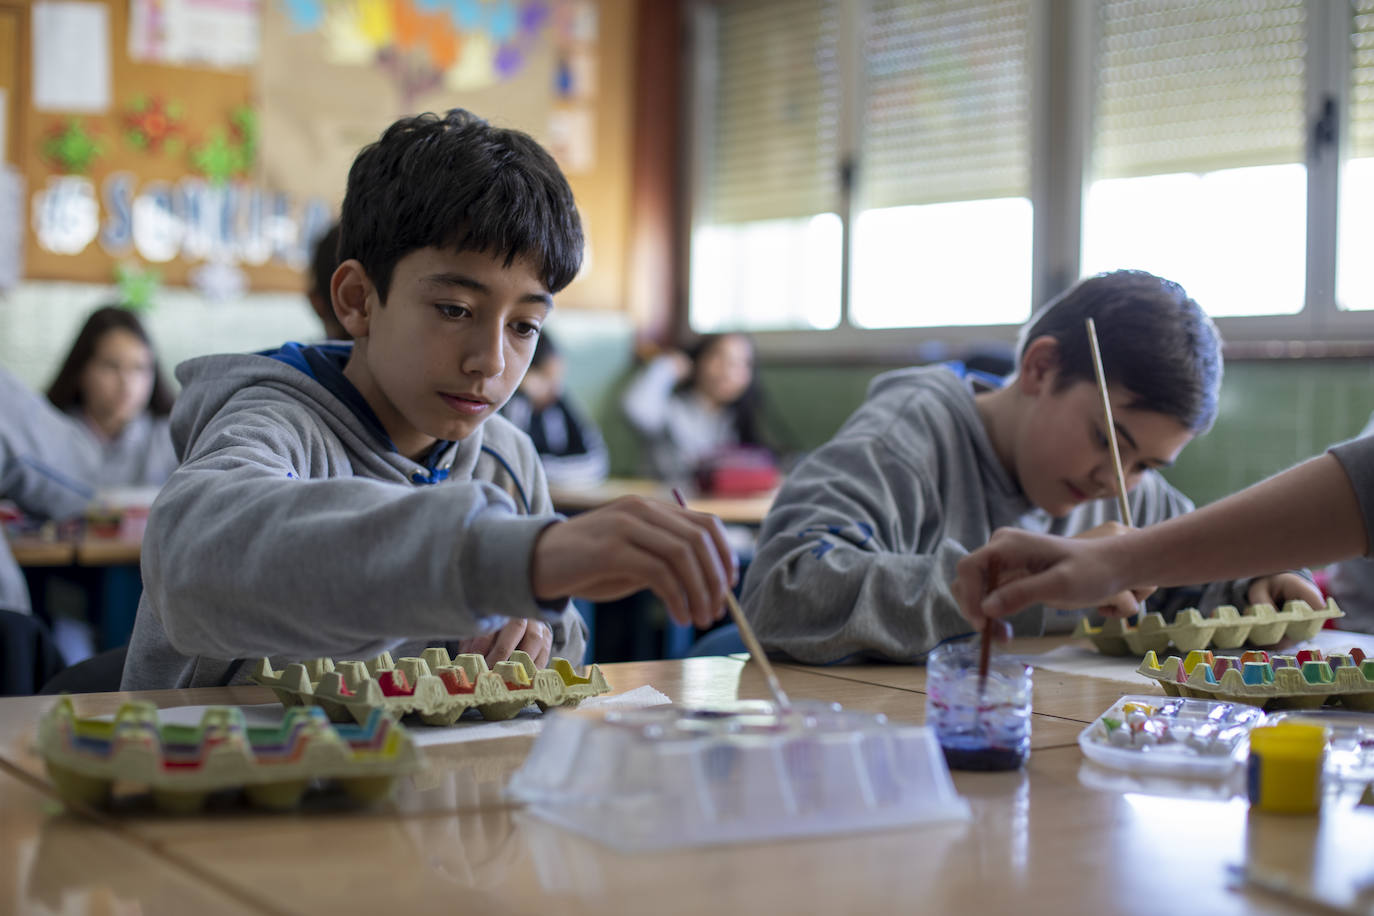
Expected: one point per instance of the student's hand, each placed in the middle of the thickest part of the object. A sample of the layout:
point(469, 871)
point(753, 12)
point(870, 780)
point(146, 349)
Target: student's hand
point(1035, 568)
point(1282, 587)
point(1125, 603)
point(632, 544)
point(533, 636)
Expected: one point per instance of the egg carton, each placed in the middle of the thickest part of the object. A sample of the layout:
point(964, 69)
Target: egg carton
point(183, 764)
point(435, 688)
point(1226, 628)
point(1302, 681)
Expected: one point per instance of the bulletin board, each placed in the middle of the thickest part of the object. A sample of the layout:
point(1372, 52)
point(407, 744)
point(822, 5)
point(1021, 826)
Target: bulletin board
point(220, 174)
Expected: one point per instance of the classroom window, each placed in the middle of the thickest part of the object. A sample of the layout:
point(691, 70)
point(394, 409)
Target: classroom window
point(884, 163)
point(1198, 152)
point(1355, 255)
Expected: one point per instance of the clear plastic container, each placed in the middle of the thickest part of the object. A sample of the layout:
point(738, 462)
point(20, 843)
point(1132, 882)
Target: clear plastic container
point(983, 726)
point(1175, 736)
point(665, 777)
point(1350, 753)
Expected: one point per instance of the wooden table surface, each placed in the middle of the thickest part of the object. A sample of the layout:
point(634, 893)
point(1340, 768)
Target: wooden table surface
point(83, 550)
point(1059, 836)
point(744, 510)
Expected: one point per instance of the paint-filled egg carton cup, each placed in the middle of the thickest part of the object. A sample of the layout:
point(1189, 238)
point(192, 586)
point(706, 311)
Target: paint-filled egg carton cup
point(182, 765)
point(1302, 681)
point(435, 688)
point(1176, 736)
point(1225, 628)
point(665, 776)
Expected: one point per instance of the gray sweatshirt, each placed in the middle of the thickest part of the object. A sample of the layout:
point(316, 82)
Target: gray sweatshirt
point(678, 429)
point(140, 456)
point(857, 557)
point(44, 467)
point(290, 530)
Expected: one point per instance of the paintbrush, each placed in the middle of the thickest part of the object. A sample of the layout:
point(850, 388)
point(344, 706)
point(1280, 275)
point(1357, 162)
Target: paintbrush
point(985, 650)
point(1121, 500)
point(751, 641)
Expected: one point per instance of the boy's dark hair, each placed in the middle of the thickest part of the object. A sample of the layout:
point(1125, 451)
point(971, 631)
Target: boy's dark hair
point(323, 262)
point(65, 390)
point(544, 350)
point(1156, 342)
point(457, 182)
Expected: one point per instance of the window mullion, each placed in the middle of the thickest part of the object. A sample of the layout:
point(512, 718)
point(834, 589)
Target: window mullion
point(1327, 102)
point(853, 94)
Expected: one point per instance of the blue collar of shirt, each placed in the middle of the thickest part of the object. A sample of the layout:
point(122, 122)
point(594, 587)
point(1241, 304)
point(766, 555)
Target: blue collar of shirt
point(325, 364)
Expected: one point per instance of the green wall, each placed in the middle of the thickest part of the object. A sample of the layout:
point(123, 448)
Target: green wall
point(1273, 413)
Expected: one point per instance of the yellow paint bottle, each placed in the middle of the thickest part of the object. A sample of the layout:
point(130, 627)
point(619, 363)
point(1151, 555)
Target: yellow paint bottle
point(1285, 769)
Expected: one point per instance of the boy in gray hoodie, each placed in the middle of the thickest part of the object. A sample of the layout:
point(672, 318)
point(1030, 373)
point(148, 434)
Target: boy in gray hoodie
point(857, 558)
point(342, 500)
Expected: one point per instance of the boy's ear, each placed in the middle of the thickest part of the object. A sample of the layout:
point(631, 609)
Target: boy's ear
point(1039, 365)
point(354, 297)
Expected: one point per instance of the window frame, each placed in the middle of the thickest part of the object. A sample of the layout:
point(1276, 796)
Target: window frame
point(1061, 99)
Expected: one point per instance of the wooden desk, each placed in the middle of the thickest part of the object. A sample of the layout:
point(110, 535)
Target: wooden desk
point(1040, 840)
point(84, 550)
point(747, 510)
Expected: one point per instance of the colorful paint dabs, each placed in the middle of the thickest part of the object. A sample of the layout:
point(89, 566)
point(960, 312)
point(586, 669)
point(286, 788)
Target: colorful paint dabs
point(979, 729)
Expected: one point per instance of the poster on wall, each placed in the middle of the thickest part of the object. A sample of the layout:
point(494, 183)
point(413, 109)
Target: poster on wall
point(188, 33)
point(71, 56)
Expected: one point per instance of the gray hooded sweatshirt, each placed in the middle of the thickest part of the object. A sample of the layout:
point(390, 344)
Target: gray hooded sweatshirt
point(292, 530)
point(857, 557)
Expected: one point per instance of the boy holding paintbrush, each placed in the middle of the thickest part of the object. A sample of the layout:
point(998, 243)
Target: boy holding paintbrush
point(857, 557)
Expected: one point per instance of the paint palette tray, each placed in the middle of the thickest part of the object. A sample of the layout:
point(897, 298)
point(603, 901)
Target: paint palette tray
point(1226, 628)
point(435, 688)
point(183, 765)
point(666, 777)
point(1175, 736)
point(1302, 681)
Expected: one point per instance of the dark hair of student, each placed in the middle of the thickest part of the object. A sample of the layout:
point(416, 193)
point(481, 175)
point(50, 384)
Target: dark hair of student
point(748, 408)
point(323, 261)
point(544, 350)
point(1156, 342)
point(457, 182)
point(65, 390)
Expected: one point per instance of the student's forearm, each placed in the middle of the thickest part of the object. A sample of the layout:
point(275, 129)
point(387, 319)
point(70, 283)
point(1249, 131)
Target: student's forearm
point(1305, 516)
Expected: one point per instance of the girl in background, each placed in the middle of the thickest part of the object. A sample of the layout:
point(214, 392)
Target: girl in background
point(700, 409)
point(111, 386)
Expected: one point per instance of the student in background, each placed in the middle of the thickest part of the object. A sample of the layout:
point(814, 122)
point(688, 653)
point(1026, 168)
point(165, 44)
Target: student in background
point(693, 409)
point(857, 557)
point(322, 264)
point(569, 444)
point(111, 387)
point(352, 498)
point(1321, 511)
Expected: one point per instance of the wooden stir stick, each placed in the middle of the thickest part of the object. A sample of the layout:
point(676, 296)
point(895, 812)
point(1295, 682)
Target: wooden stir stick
point(1121, 500)
point(751, 641)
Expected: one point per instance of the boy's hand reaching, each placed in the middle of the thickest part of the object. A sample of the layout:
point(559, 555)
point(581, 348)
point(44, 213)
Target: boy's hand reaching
point(1283, 587)
point(534, 636)
point(1037, 568)
point(632, 544)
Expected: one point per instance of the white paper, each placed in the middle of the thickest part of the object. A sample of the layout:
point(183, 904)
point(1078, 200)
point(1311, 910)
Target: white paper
point(218, 33)
point(1079, 658)
point(71, 56)
point(11, 226)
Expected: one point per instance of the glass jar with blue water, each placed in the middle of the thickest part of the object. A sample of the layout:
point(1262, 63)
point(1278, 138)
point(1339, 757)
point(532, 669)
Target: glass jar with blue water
point(983, 727)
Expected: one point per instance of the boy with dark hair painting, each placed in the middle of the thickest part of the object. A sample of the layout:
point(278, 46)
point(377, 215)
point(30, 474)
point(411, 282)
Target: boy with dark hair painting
point(857, 557)
point(346, 499)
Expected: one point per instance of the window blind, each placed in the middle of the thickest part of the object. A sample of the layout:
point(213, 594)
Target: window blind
point(774, 153)
point(1189, 86)
point(1361, 134)
point(947, 115)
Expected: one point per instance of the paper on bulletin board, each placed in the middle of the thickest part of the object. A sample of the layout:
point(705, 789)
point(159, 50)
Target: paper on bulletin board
point(71, 56)
point(11, 225)
point(216, 33)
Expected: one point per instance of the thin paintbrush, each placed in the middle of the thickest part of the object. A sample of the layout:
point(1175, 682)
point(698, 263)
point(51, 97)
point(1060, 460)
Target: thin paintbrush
point(985, 649)
point(751, 641)
point(1121, 500)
